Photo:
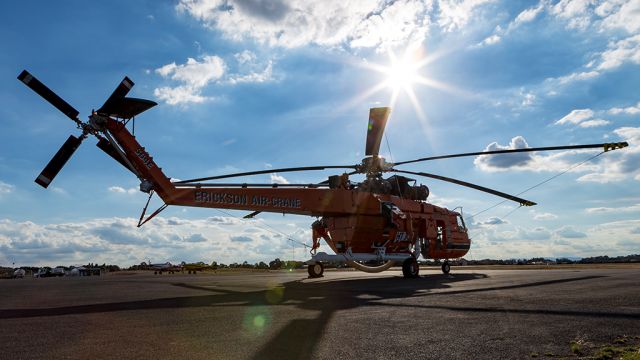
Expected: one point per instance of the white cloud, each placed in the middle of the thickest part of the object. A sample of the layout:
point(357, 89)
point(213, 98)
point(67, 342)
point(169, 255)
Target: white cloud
point(576, 116)
point(620, 164)
point(497, 162)
point(528, 15)
point(179, 95)
point(608, 17)
point(281, 23)
point(242, 238)
point(399, 23)
point(6, 188)
point(121, 190)
point(294, 23)
point(615, 166)
point(254, 76)
point(594, 123)
point(626, 16)
point(621, 52)
point(119, 241)
point(613, 239)
point(492, 221)
point(624, 209)
point(617, 54)
point(583, 118)
point(59, 190)
point(195, 73)
point(277, 179)
point(193, 76)
point(528, 99)
point(455, 14)
point(490, 40)
point(569, 232)
point(576, 76)
point(538, 233)
point(577, 13)
point(630, 110)
point(544, 216)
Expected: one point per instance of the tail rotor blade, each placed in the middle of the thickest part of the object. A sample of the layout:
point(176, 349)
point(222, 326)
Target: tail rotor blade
point(57, 162)
point(106, 146)
point(116, 97)
point(377, 122)
point(42, 90)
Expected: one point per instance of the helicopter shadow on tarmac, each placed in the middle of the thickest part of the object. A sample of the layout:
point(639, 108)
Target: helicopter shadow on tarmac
point(299, 337)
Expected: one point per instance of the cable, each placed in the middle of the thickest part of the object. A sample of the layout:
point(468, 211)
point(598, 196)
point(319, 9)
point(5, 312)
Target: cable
point(511, 212)
point(386, 139)
point(272, 230)
point(538, 184)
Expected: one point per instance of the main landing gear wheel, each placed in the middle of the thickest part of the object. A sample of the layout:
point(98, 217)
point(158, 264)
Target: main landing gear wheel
point(316, 270)
point(446, 267)
point(410, 268)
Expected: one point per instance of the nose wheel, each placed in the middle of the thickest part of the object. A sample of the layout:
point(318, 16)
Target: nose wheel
point(446, 267)
point(316, 270)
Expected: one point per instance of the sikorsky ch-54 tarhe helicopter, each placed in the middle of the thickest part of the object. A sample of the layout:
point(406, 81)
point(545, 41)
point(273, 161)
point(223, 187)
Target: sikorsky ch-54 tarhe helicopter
point(379, 220)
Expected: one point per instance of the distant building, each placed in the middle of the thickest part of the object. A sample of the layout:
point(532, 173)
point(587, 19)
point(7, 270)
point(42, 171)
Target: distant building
point(85, 271)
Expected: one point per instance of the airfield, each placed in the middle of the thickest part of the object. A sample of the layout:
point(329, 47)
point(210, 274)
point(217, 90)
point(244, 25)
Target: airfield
point(479, 313)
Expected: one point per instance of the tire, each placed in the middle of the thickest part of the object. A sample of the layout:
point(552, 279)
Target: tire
point(446, 267)
point(316, 270)
point(410, 268)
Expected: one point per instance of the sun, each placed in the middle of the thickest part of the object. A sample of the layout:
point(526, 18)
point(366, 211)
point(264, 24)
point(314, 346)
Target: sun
point(402, 73)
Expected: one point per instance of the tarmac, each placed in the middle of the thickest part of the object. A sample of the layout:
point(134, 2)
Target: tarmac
point(474, 313)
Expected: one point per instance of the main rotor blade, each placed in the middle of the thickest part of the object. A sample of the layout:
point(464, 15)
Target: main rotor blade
point(42, 90)
point(605, 146)
point(116, 97)
point(377, 122)
point(304, 168)
point(57, 162)
point(522, 202)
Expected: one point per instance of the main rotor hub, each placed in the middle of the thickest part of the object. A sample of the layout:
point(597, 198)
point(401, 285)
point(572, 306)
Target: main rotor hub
point(373, 166)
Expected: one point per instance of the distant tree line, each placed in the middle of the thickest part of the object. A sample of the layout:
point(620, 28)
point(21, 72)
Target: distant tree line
point(278, 264)
point(540, 260)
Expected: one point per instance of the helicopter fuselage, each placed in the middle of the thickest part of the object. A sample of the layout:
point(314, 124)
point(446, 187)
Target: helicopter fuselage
point(353, 220)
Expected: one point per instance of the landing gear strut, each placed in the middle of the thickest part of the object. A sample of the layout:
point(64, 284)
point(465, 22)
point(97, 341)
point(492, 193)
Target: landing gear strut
point(410, 268)
point(446, 267)
point(315, 270)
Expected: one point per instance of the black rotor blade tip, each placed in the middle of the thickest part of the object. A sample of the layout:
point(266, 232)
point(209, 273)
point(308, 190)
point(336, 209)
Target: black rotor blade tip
point(58, 161)
point(46, 93)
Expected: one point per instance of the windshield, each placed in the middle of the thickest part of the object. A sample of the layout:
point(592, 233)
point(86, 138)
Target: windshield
point(461, 224)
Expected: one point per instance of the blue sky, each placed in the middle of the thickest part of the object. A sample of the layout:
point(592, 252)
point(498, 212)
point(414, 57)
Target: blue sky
point(256, 84)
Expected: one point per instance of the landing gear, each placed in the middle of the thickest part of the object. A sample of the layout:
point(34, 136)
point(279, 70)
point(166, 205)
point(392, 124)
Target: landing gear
point(410, 268)
point(316, 270)
point(446, 267)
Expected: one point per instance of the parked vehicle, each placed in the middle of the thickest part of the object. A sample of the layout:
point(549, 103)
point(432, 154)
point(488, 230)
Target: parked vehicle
point(43, 272)
point(19, 273)
point(59, 271)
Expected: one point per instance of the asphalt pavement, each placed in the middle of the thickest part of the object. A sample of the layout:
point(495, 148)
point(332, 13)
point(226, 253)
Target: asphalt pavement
point(480, 314)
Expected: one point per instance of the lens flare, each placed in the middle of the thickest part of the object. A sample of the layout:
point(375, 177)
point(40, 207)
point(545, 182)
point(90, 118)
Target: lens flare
point(256, 320)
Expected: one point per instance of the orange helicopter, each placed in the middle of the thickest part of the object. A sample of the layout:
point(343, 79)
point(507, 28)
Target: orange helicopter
point(379, 220)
